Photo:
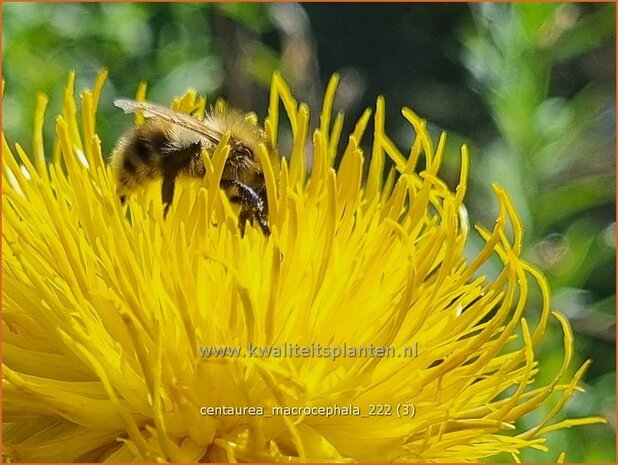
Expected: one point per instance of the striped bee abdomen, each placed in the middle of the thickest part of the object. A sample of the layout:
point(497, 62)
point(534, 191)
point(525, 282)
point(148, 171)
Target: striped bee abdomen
point(156, 149)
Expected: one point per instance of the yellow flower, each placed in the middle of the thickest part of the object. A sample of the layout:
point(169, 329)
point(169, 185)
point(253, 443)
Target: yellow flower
point(109, 312)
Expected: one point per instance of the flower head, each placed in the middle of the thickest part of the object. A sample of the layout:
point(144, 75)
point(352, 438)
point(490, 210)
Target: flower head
point(112, 315)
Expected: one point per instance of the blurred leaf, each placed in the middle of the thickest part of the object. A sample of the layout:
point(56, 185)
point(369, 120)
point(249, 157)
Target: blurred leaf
point(587, 253)
point(570, 199)
point(252, 15)
point(534, 16)
point(588, 33)
point(607, 306)
point(261, 63)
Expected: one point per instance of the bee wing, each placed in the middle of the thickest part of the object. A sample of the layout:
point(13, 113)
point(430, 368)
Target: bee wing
point(152, 110)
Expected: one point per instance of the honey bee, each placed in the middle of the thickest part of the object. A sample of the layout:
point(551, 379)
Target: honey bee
point(169, 144)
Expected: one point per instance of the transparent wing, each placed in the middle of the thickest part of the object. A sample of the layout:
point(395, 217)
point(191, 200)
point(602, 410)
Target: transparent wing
point(152, 110)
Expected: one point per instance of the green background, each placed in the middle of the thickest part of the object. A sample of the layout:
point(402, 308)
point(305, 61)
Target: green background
point(530, 87)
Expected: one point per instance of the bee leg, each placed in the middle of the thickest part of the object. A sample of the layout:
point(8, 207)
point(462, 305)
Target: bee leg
point(175, 160)
point(167, 192)
point(244, 216)
point(253, 205)
point(263, 222)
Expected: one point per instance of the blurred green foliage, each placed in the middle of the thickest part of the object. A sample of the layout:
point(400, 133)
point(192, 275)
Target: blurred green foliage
point(171, 46)
point(554, 150)
point(530, 86)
